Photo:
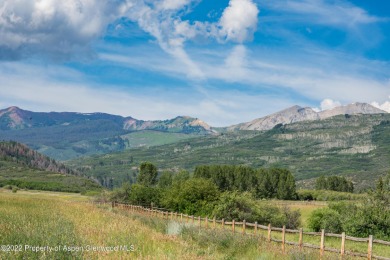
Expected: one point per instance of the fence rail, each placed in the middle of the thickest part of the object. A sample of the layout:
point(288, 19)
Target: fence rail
point(255, 228)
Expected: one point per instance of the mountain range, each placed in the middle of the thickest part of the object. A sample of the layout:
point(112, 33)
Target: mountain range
point(67, 135)
point(297, 114)
point(348, 140)
point(14, 118)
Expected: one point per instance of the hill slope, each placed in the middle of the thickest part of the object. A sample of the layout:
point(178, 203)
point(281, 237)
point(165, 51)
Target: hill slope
point(357, 146)
point(26, 168)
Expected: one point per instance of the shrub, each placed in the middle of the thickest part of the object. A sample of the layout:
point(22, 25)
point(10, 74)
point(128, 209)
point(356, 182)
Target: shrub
point(194, 196)
point(325, 218)
point(144, 195)
point(242, 206)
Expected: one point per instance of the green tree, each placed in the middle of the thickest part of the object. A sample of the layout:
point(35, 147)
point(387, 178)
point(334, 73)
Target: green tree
point(180, 177)
point(325, 218)
point(147, 174)
point(144, 195)
point(165, 180)
point(121, 194)
point(242, 206)
point(194, 196)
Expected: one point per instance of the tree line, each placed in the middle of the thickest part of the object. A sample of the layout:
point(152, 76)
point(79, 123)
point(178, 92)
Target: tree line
point(263, 183)
point(336, 183)
point(371, 216)
point(221, 191)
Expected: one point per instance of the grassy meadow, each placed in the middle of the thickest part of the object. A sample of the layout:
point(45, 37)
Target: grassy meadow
point(67, 223)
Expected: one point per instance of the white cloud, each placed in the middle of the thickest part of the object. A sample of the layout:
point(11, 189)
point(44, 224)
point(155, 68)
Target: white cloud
point(329, 104)
point(239, 20)
point(307, 76)
point(50, 27)
point(333, 13)
point(163, 20)
point(66, 28)
point(38, 88)
point(385, 106)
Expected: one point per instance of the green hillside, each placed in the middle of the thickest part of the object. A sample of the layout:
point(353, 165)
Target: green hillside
point(354, 146)
point(69, 135)
point(28, 169)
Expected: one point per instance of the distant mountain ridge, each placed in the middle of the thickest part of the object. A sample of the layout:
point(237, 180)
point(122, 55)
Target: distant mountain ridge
point(67, 135)
point(298, 114)
point(14, 118)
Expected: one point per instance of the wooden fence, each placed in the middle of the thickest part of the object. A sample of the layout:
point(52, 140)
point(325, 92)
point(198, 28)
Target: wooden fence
point(255, 229)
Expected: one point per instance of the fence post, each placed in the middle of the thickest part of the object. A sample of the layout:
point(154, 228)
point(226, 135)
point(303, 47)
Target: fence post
point(207, 222)
point(300, 238)
point(269, 232)
point(200, 224)
point(193, 220)
point(322, 246)
point(181, 218)
point(284, 239)
point(223, 223)
point(255, 228)
point(342, 251)
point(243, 227)
point(113, 204)
point(214, 223)
point(369, 252)
point(233, 226)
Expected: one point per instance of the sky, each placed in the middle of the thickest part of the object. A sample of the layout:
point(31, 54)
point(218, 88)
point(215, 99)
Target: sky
point(223, 61)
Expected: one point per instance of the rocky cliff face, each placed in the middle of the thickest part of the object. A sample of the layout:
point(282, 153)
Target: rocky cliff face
point(298, 114)
point(183, 124)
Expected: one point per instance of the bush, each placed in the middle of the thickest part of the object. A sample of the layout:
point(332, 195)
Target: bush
point(242, 206)
point(327, 195)
point(121, 194)
point(194, 196)
point(325, 218)
point(144, 195)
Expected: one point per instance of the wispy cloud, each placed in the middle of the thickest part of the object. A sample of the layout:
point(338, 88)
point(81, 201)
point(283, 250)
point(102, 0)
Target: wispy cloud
point(311, 75)
point(40, 88)
point(332, 13)
point(164, 22)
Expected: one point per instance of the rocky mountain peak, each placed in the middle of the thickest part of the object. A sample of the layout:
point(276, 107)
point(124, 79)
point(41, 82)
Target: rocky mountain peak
point(351, 109)
point(298, 114)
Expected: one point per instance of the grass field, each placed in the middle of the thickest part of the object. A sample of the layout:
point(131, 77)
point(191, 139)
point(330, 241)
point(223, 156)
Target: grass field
point(47, 220)
point(34, 222)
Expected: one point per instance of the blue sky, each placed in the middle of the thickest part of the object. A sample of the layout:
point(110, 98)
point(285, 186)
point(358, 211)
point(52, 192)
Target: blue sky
point(224, 61)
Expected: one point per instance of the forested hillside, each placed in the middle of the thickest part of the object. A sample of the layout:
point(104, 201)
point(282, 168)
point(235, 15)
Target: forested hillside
point(354, 146)
point(22, 155)
point(22, 167)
